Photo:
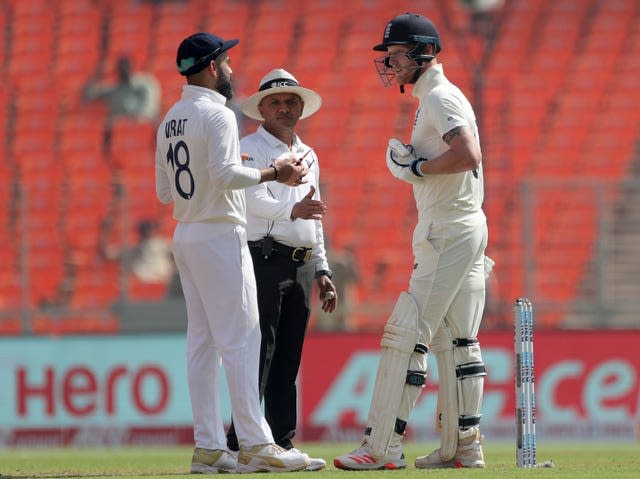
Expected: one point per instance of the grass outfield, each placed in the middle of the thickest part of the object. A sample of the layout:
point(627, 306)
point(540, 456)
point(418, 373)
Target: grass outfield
point(579, 461)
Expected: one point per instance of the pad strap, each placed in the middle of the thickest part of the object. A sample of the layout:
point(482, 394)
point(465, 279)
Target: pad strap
point(421, 348)
point(464, 342)
point(465, 422)
point(416, 378)
point(470, 370)
point(399, 428)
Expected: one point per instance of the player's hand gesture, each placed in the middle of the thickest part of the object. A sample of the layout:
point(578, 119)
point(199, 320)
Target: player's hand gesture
point(289, 170)
point(308, 208)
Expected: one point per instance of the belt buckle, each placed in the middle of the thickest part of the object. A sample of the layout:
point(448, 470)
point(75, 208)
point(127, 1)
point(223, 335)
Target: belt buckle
point(301, 254)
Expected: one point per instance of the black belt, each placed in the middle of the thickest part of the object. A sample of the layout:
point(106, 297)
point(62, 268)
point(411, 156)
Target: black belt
point(296, 254)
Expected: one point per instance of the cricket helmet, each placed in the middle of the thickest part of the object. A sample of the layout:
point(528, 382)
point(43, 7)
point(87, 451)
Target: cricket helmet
point(410, 29)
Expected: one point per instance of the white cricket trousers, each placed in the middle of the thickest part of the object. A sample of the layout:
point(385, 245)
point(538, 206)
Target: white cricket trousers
point(448, 283)
point(448, 277)
point(223, 327)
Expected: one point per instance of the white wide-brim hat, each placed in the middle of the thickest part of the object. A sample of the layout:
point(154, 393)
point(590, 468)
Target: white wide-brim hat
point(281, 81)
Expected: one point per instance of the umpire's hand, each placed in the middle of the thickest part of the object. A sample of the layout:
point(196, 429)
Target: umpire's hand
point(308, 208)
point(328, 294)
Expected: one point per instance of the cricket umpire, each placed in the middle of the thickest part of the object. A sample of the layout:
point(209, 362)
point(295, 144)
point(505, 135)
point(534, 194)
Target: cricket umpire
point(286, 241)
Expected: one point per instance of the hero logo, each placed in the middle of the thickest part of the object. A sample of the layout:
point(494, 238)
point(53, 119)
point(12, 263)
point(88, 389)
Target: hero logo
point(80, 392)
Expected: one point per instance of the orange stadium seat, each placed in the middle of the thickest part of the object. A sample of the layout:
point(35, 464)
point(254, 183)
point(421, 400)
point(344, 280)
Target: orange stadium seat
point(84, 322)
point(96, 285)
point(31, 52)
point(142, 291)
point(128, 33)
point(11, 326)
point(540, 81)
point(77, 54)
point(3, 38)
point(132, 143)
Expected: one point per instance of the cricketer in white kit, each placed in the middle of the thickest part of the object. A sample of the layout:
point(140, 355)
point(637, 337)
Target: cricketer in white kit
point(441, 311)
point(198, 169)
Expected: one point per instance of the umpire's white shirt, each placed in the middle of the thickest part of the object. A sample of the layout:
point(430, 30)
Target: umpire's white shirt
point(443, 107)
point(269, 206)
point(198, 160)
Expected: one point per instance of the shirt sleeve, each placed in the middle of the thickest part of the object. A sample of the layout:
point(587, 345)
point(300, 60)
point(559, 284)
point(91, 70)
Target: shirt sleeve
point(447, 112)
point(260, 201)
point(318, 252)
point(224, 164)
point(163, 188)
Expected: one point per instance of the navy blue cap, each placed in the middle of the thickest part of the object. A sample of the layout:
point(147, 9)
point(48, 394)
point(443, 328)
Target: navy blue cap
point(197, 51)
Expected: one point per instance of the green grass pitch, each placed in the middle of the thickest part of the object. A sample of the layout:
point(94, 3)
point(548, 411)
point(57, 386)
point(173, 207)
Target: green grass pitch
point(571, 460)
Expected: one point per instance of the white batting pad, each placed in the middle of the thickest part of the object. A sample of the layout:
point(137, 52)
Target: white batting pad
point(447, 408)
point(398, 342)
point(457, 397)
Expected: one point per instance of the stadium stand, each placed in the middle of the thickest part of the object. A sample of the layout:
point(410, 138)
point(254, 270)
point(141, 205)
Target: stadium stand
point(549, 109)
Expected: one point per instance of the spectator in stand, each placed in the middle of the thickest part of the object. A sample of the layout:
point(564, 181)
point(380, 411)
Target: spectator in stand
point(135, 95)
point(150, 260)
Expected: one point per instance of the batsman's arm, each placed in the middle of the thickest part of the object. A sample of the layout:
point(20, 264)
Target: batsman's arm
point(463, 154)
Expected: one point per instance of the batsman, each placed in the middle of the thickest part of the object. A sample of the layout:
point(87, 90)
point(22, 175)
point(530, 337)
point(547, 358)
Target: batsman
point(441, 311)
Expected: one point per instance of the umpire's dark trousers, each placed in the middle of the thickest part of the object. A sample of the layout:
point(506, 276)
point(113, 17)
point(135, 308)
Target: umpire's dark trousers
point(284, 299)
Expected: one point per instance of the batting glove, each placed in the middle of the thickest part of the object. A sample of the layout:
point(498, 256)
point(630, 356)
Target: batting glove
point(403, 163)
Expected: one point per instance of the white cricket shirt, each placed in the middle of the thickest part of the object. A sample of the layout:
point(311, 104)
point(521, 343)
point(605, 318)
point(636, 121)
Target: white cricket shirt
point(198, 160)
point(269, 205)
point(443, 107)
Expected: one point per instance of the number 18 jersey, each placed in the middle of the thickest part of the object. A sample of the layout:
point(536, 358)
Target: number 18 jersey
point(198, 160)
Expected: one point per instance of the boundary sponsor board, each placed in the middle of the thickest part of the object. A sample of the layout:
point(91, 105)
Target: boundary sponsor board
point(133, 389)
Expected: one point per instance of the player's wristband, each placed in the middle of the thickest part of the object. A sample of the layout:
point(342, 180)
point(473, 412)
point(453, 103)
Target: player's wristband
point(415, 167)
point(275, 170)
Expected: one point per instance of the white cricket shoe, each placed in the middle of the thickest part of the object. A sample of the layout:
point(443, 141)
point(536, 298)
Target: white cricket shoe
point(205, 461)
point(468, 454)
point(315, 463)
point(271, 458)
point(363, 460)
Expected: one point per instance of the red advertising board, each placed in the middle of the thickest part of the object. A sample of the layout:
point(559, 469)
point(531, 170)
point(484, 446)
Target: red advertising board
point(586, 385)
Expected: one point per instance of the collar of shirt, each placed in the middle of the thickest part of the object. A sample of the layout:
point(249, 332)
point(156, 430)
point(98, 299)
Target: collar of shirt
point(274, 142)
point(428, 80)
point(193, 91)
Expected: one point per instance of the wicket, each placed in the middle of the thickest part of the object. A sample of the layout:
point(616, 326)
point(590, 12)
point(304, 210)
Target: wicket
point(525, 393)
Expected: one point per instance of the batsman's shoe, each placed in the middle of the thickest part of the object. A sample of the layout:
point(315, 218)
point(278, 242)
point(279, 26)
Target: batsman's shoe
point(205, 461)
point(315, 463)
point(363, 460)
point(271, 458)
point(468, 454)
